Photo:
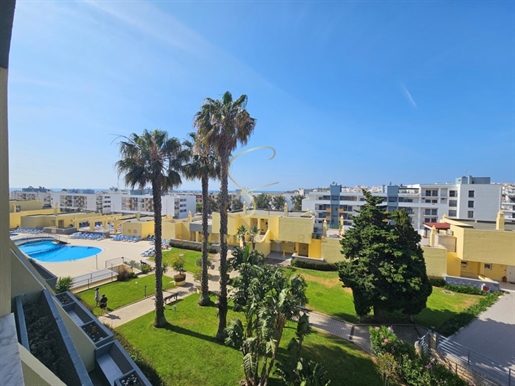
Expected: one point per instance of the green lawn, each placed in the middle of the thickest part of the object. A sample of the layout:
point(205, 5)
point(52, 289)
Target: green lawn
point(190, 257)
point(443, 306)
point(185, 353)
point(326, 295)
point(121, 293)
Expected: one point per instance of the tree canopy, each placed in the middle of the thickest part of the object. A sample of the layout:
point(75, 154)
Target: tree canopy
point(263, 201)
point(384, 263)
point(278, 202)
point(297, 202)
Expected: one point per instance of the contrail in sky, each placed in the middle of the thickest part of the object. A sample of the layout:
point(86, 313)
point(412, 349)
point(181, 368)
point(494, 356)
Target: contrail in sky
point(408, 95)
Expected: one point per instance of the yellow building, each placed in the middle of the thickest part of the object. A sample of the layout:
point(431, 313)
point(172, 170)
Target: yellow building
point(19, 209)
point(283, 232)
point(473, 249)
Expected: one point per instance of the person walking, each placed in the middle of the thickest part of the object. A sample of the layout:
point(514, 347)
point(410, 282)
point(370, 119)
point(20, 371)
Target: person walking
point(97, 296)
point(103, 304)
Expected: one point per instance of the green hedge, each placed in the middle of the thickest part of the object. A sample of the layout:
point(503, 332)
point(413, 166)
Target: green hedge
point(312, 265)
point(178, 244)
point(464, 289)
point(436, 281)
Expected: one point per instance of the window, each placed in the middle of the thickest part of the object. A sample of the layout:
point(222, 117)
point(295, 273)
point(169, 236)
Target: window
point(471, 204)
point(471, 194)
point(470, 214)
point(488, 266)
point(452, 213)
point(453, 193)
point(430, 212)
point(453, 203)
point(428, 192)
point(464, 264)
point(392, 199)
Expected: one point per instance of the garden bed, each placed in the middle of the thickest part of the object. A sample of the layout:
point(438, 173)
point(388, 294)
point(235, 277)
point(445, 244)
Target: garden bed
point(117, 367)
point(49, 340)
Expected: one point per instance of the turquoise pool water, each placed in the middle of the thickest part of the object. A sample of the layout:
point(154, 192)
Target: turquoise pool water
point(48, 252)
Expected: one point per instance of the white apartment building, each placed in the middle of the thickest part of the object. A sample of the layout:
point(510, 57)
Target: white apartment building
point(508, 202)
point(33, 194)
point(76, 200)
point(468, 198)
point(113, 201)
point(176, 205)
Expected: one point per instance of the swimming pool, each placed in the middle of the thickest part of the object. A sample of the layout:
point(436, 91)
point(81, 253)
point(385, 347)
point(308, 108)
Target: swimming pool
point(48, 252)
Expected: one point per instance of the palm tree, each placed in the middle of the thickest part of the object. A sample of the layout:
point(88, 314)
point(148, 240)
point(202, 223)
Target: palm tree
point(152, 158)
point(253, 232)
point(241, 232)
point(202, 165)
point(224, 124)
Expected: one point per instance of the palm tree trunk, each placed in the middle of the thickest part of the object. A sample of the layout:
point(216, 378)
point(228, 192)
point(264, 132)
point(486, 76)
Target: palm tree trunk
point(222, 300)
point(204, 285)
point(160, 320)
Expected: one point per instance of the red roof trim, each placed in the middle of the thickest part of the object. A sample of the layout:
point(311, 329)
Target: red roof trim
point(438, 225)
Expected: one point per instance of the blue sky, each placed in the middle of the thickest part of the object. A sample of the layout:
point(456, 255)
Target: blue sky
point(357, 92)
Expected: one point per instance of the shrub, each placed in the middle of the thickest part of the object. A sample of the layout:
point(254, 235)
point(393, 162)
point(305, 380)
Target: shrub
point(436, 281)
point(198, 262)
point(63, 284)
point(146, 268)
point(313, 265)
point(178, 264)
point(197, 274)
point(464, 289)
point(124, 274)
point(398, 360)
point(178, 244)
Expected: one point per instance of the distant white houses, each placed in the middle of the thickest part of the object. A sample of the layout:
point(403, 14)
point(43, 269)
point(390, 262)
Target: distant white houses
point(508, 202)
point(468, 198)
point(113, 201)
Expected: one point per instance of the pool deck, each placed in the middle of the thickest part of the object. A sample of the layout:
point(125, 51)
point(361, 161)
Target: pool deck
point(110, 250)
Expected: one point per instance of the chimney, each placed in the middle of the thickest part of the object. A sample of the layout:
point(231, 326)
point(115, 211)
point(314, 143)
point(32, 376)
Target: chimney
point(499, 223)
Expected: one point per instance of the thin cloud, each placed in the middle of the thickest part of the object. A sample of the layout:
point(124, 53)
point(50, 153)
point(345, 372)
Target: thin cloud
point(408, 96)
point(154, 22)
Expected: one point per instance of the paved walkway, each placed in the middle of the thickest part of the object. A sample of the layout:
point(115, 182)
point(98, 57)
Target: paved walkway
point(348, 331)
point(492, 334)
point(135, 310)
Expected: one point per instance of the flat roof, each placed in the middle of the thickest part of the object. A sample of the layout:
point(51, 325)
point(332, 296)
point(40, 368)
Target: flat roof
point(487, 225)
